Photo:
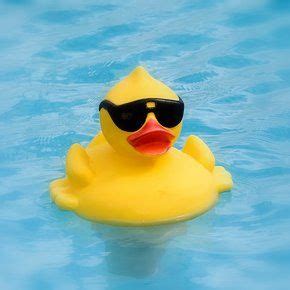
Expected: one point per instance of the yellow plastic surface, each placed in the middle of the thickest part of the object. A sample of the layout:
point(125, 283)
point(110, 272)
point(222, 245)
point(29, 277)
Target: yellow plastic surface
point(110, 182)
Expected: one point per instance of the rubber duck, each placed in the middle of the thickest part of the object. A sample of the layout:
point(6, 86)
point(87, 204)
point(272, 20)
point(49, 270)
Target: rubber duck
point(130, 173)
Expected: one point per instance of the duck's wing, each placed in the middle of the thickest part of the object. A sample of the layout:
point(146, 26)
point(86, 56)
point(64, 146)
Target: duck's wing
point(78, 167)
point(98, 139)
point(197, 149)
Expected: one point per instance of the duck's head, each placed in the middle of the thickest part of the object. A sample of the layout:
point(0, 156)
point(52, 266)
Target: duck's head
point(141, 116)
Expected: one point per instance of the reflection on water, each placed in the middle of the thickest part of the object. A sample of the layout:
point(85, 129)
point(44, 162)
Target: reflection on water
point(134, 251)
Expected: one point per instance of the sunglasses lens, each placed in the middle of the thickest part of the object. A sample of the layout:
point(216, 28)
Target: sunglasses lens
point(169, 114)
point(129, 118)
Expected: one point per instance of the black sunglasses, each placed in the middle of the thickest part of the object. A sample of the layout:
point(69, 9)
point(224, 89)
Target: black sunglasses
point(131, 116)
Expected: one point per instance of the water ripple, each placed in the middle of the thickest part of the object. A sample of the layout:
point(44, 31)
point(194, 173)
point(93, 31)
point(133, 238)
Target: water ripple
point(228, 60)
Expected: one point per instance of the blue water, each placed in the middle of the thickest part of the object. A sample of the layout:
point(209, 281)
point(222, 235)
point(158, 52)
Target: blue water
point(229, 60)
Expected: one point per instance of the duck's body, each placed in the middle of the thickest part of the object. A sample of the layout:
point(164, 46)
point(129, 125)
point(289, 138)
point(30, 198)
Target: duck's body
point(130, 174)
point(119, 190)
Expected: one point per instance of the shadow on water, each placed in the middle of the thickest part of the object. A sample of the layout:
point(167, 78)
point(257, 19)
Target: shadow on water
point(136, 251)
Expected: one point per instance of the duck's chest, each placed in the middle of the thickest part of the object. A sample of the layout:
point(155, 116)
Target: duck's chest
point(172, 172)
point(175, 187)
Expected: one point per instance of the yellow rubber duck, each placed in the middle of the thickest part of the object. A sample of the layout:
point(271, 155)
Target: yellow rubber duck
point(130, 174)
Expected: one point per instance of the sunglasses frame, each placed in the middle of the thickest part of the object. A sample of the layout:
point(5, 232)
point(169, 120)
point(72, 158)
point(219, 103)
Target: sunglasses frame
point(108, 106)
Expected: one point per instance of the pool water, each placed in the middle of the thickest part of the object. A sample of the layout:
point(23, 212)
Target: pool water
point(229, 60)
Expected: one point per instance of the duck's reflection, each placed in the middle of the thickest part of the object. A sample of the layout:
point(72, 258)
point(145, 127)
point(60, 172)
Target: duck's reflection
point(136, 252)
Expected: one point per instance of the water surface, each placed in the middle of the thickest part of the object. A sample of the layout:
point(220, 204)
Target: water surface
point(229, 60)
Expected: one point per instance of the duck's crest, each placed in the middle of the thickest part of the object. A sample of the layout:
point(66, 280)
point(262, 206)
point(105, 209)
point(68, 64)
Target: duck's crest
point(139, 74)
point(139, 84)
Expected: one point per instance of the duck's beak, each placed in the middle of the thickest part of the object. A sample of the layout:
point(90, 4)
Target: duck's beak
point(151, 139)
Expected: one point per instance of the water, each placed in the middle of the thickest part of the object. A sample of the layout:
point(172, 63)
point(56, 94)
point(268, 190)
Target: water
point(229, 60)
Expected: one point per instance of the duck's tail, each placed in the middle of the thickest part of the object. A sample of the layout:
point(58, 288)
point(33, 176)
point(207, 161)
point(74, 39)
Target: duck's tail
point(58, 193)
point(79, 174)
point(223, 179)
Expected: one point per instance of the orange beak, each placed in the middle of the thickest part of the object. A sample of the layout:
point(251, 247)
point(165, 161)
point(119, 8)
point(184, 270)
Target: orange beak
point(151, 139)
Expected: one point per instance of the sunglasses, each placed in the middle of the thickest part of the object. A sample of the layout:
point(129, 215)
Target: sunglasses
point(131, 116)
